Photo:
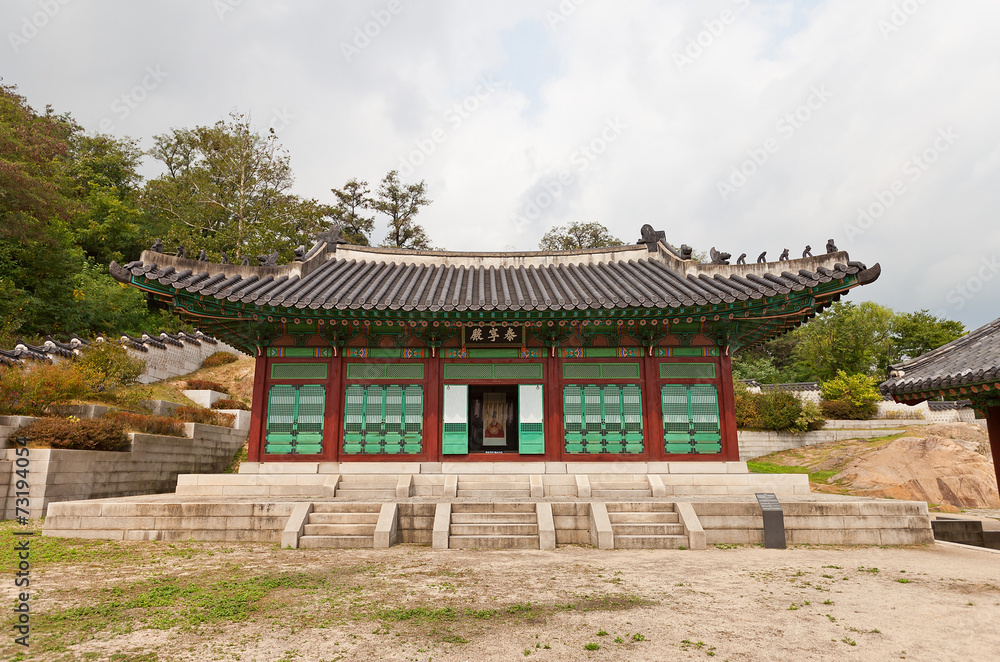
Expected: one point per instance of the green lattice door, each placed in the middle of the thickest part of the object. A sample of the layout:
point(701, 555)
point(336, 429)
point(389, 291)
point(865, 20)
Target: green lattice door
point(691, 419)
point(603, 418)
point(383, 419)
point(295, 419)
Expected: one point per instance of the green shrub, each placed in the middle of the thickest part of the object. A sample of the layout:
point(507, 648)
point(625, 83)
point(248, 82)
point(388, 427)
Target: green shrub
point(858, 396)
point(206, 416)
point(71, 433)
point(777, 411)
point(30, 390)
point(219, 358)
point(229, 403)
point(847, 410)
point(206, 385)
point(164, 425)
point(107, 366)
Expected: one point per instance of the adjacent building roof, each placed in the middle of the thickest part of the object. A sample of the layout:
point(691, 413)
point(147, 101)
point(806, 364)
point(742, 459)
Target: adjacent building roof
point(366, 278)
point(968, 365)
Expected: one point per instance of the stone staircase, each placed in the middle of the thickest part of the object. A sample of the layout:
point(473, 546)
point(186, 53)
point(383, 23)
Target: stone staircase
point(341, 525)
point(646, 526)
point(493, 526)
point(494, 487)
point(360, 486)
point(612, 487)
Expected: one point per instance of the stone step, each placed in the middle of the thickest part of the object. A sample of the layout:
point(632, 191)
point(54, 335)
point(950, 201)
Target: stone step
point(494, 529)
point(646, 529)
point(492, 518)
point(493, 507)
point(343, 518)
point(335, 507)
point(626, 506)
point(340, 530)
point(493, 484)
point(620, 485)
point(366, 494)
point(619, 494)
point(642, 518)
point(493, 542)
point(650, 542)
point(493, 493)
point(336, 542)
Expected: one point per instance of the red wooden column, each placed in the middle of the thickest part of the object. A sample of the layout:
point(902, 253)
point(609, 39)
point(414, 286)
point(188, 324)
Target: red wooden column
point(727, 402)
point(993, 426)
point(333, 417)
point(257, 406)
point(652, 423)
point(433, 410)
point(552, 390)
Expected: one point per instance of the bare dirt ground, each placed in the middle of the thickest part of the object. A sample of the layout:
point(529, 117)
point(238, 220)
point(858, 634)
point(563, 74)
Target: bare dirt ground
point(154, 602)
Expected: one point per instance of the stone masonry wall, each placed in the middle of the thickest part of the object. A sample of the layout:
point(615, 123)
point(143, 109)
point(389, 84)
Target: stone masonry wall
point(173, 359)
point(151, 467)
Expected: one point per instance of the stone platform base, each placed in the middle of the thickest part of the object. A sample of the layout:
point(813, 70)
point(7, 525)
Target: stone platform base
point(539, 507)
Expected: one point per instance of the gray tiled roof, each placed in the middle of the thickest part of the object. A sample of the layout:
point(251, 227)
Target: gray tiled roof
point(355, 277)
point(972, 359)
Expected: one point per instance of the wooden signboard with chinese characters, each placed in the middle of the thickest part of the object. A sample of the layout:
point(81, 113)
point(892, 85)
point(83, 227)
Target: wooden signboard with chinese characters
point(493, 336)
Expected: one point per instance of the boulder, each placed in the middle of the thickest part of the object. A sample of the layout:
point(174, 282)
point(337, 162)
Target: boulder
point(934, 469)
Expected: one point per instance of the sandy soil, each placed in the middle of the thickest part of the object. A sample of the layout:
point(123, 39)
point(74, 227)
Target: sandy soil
point(930, 603)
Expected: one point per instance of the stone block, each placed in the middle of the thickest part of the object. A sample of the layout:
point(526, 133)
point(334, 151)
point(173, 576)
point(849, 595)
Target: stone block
point(450, 485)
point(536, 487)
point(583, 486)
point(442, 526)
point(202, 490)
point(404, 487)
point(430, 467)
point(288, 467)
point(281, 479)
point(601, 534)
point(142, 535)
point(656, 486)
point(387, 527)
point(555, 467)
point(96, 534)
point(296, 525)
point(246, 490)
point(227, 479)
point(379, 468)
point(594, 468)
point(525, 468)
point(546, 526)
point(123, 523)
point(467, 467)
point(698, 467)
point(736, 467)
point(249, 467)
point(833, 536)
point(76, 508)
point(815, 522)
point(734, 536)
point(692, 526)
point(892, 508)
point(730, 521)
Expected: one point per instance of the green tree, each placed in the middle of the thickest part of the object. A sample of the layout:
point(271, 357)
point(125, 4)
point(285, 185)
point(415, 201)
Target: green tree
point(352, 201)
point(758, 367)
point(855, 338)
point(226, 189)
point(105, 178)
point(917, 333)
point(577, 236)
point(401, 203)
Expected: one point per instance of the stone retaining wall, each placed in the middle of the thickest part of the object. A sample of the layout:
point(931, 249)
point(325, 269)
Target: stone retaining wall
point(150, 467)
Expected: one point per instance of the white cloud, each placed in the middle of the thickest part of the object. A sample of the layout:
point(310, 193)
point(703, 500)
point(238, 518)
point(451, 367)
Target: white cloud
point(686, 127)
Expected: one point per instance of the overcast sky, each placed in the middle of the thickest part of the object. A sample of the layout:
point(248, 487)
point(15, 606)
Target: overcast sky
point(747, 126)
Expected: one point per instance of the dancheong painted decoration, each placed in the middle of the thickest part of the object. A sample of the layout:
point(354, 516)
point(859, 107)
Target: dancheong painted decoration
point(608, 354)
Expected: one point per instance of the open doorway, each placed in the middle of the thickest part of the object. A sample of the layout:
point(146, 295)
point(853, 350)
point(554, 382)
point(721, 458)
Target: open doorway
point(493, 419)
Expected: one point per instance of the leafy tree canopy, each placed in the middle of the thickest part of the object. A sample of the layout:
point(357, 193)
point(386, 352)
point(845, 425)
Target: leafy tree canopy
point(578, 236)
point(401, 203)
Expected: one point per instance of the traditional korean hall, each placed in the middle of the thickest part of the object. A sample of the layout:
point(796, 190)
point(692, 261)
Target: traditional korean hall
point(496, 401)
point(610, 354)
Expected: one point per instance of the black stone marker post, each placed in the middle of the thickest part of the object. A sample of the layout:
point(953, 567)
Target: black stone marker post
point(774, 520)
